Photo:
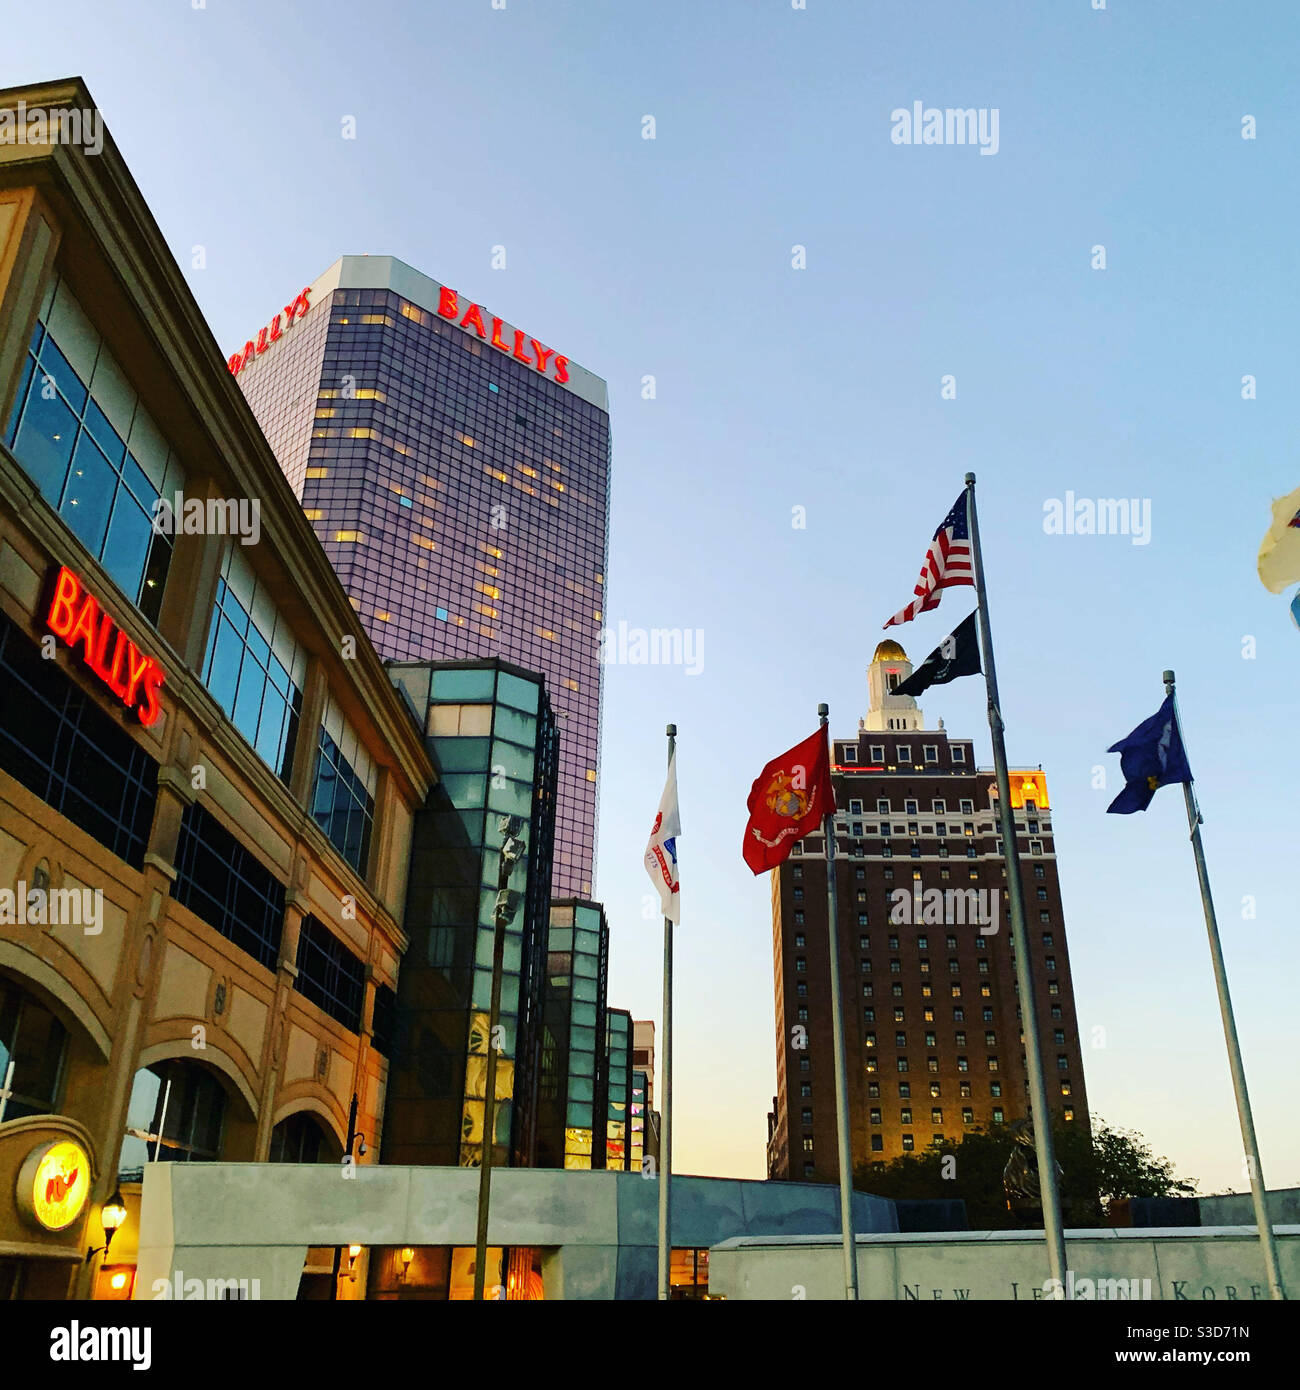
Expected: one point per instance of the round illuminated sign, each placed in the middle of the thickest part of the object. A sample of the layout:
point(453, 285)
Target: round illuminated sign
point(54, 1183)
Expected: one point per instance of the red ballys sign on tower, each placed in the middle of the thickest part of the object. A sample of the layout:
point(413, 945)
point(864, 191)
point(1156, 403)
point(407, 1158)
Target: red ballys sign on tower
point(271, 333)
point(540, 358)
point(76, 617)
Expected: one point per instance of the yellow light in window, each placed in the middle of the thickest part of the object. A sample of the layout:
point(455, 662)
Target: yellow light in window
point(368, 393)
point(598, 615)
point(528, 472)
point(318, 472)
point(559, 487)
point(591, 774)
point(488, 590)
point(497, 474)
point(326, 413)
point(546, 633)
point(357, 432)
point(490, 570)
point(600, 579)
point(490, 550)
point(348, 536)
point(423, 542)
point(409, 311)
point(485, 611)
point(328, 394)
point(313, 513)
point(384, 617)
point(467, 441)
point(375, 318)
point(570, 683)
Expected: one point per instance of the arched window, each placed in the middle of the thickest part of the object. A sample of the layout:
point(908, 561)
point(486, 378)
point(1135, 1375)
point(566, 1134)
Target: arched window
point(302, 1138)
point(175, 1116)
point(32, 1044)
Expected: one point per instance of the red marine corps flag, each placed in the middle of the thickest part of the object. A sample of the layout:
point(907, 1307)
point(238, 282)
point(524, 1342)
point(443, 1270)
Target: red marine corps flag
point(787, 802)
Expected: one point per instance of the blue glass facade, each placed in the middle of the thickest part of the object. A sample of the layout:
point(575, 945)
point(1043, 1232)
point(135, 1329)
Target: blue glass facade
point(69, 428)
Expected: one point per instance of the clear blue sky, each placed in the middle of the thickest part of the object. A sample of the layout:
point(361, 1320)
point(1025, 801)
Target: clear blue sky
point(820, 388)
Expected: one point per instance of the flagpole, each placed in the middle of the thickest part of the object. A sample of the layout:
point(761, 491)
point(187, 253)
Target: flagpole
point(666, 1085)
point(1042, 1116)
point(837, 1048)
point(1257, 1188)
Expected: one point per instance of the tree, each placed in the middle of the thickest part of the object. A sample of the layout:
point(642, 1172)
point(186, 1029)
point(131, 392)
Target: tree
point(1096, 1169)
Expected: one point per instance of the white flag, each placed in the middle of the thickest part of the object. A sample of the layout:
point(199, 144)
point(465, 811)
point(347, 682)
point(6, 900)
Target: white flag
point(661, 852)
point(1279, 554)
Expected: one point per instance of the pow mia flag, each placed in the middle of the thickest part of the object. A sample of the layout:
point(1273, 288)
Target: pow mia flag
point(957, 655)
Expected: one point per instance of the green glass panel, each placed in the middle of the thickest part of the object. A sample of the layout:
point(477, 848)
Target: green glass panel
point(583, 1038)
point(463, 687)
point(582, 1064)
point(579, 1115)
point(589, 917)
point(510, 760)
point(509, 798)
point(588, 941)
point(465, 790)
point(522, 694)
point(561, 939)
point(582, 1088)
point(510, 994)
point(518, 728)
point(586, 966)
point(585, 1014)
point(584, 989)
point(461, 754)
point(513, 951)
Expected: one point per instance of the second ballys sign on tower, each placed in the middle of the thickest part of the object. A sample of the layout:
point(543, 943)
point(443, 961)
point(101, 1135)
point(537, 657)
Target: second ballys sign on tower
point(473, 318)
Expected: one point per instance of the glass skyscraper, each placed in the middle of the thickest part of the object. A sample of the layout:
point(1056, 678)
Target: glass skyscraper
point(456, 470)
point(574, 1076)
point(481, 847)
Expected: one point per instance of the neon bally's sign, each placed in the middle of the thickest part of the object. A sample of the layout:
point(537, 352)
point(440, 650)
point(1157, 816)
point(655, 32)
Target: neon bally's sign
point(449, 307)
point(76, 617)
point(271, 333)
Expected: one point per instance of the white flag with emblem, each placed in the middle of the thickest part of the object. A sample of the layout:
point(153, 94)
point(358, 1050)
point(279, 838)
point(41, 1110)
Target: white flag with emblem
point(661, 852)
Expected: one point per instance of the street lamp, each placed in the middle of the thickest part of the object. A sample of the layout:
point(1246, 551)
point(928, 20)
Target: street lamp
point(112, 1215)
point(513, 852)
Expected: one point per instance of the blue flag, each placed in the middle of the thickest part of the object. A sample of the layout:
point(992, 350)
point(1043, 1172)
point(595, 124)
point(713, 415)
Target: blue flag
point(1150, 757)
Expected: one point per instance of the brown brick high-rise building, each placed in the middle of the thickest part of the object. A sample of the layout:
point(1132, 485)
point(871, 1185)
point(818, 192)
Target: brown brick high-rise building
point(932, 1028)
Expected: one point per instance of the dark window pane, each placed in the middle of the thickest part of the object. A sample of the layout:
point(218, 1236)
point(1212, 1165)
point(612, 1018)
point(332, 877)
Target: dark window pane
point(60, 745)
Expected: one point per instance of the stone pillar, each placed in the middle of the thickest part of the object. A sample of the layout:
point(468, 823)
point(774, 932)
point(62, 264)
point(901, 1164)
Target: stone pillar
point(29, 239)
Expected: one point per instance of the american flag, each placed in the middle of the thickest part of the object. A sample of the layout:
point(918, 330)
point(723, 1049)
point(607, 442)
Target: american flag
point(947, 562)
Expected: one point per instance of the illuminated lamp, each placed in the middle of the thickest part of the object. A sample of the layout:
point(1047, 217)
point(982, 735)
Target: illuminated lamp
point(112, 1216)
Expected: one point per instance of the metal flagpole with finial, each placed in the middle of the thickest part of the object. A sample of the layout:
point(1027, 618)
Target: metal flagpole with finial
point(1257, 1188)
point(1042, 1116)
point(837, 1049)
point(666, 1085)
